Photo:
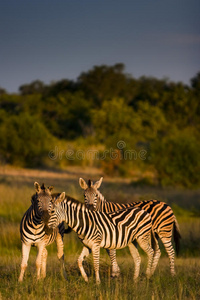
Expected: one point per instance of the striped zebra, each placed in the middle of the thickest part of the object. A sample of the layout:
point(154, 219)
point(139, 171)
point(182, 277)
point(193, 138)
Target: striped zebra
point(34, 231)
point(164, 221)
point(111, 231)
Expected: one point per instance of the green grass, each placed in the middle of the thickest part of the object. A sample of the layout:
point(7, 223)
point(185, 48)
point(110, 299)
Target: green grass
point(15, 193)
point(161, 286)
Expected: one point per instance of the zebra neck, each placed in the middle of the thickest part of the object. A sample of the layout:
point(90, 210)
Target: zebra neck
point(73, 212)
point(100, 201)
point(36, 215)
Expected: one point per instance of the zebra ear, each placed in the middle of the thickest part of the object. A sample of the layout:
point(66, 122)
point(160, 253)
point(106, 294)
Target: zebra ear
point(60, 198)
point(50, 188)
point(98, 183)
point(83, 184)
point(37, 187)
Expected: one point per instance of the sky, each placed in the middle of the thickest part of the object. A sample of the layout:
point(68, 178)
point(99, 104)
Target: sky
point(51, 40)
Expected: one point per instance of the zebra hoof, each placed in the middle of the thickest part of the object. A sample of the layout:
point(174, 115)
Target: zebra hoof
point(65, 274)
point(115, 275)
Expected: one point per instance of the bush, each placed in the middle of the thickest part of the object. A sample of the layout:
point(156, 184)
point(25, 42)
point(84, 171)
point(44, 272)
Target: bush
point(24, 141)
point(177, 159)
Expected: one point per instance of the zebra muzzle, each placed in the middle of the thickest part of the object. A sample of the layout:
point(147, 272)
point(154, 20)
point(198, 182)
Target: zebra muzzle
point(90, 207)
point(45, 216)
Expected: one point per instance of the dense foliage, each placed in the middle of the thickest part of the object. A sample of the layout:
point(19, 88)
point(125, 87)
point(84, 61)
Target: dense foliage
point(107, 107)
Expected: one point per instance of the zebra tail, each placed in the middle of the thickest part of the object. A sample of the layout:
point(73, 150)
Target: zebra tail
point(177, 236)
point(63, 267)
point(68, 230)
point(154, 243)
point(64, 272)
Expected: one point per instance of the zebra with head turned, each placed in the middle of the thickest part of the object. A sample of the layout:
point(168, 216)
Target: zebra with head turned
point(164, 221)
point(111, 231)
point(35, 232)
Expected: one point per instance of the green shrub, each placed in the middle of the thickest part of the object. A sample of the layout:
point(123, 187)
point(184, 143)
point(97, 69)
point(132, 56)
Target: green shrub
point(177, 159)
point(24, 140)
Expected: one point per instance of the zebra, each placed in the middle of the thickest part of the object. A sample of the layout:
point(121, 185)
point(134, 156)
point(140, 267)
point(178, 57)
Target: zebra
point(34, 231)
point(164, 222)
point(111, 231)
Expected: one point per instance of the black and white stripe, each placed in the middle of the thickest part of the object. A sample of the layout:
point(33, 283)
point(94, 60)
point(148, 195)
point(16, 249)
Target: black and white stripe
point(34, 231)
point(111, 231)
point(164, 222)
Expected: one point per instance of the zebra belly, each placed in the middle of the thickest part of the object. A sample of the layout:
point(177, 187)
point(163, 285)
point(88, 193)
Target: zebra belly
point(118, 239)
point(36, 240)
point(113, 246)
point(89, 243)
point(103, 244)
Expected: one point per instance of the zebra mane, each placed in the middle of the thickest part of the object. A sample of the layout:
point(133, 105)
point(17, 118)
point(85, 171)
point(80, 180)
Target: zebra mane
point(69, 198)
point(43, 187)
point(89, 183)
point(101, 198)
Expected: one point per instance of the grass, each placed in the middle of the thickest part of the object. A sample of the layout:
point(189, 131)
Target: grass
point(16, 189)
point(161, 286)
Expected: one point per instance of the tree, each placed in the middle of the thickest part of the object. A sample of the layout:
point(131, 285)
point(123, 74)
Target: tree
point(35, 87)
point(176, 158)
point(2, 91)
point(149, 89)
point(60, 87)
point(195, 100)
point(24, 141)
point(11, 103)
point(105, 83)
point(195, 82)
point(67, 116)
point(118, 121)
point(114, 121)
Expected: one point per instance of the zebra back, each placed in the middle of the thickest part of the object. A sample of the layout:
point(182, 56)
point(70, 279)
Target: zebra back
point(161, 213)
point(114, 230)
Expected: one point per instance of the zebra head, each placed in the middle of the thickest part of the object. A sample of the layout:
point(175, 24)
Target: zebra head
point(57, 215)
point(43, 200)
point(90, 192)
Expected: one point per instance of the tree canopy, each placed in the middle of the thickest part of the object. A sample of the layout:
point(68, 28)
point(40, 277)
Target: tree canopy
point(106, 105)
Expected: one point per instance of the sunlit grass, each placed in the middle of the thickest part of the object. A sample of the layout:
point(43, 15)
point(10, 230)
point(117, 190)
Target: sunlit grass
point(161, 286)
point(15, 198)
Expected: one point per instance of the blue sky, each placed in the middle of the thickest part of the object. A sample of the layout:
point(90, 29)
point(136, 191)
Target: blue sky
point(56, 39)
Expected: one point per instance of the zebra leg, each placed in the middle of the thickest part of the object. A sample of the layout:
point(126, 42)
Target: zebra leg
point(157, 254)
point(60, 253)
point(170, 251)
point(85, 252)
point(44, 262)
point(96, 254)
point(115, 267)
point(60, 246)
point(41, 248)
point(144, 243)
point(24, 263)
point(137, 260)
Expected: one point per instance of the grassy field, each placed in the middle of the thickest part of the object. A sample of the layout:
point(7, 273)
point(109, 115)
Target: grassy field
point(16, 188)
